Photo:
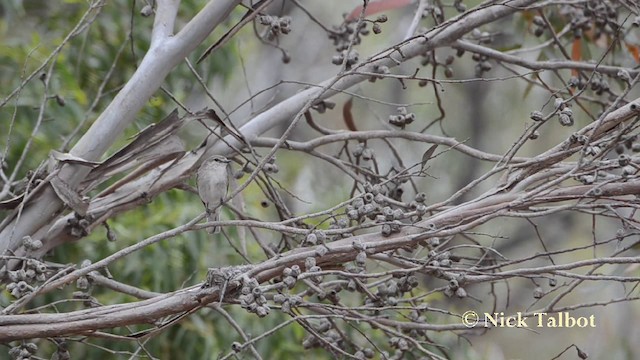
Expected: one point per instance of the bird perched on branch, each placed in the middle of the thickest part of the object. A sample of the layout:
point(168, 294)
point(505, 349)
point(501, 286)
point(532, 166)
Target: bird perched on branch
point(213, 183)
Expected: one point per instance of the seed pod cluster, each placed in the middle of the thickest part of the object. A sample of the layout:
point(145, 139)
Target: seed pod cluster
point(362, 151)
point(79, 225)
point(22, 281)
point(276, 25)
point(566, 117)
point(599, 84)
point(377, 206)
point(459, 6)
point(539, 26)
point(330, 336)
point(391, 292)
point(623, 160)
point(482, 64)
point(435, 10)
point(351, 57)
point(382, 70)
point(252, 299)
point(598, 17)
point(536, 116)
point(402, 119)
point(592, 150)
point(454, 287)
point(347, 33)
point(311, 267)
point(366, 353)
point(271, 166)
point(30, 244)
point(24, 351)
point(565, 114)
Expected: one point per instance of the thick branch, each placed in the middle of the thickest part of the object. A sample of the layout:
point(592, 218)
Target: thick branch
point(161, 58)
point(452, 221)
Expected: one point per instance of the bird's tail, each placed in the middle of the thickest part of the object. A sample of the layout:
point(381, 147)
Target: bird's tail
point(214, 216)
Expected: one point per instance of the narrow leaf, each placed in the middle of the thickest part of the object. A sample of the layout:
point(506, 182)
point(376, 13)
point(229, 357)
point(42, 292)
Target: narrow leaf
point(576, 54)
point(427, 155)
point(348, 117)
point(634, 51)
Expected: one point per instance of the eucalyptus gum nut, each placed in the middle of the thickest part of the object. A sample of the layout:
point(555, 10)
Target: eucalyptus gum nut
point(536, 116)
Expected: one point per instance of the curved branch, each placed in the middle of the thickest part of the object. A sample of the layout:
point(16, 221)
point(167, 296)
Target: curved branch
point(386, 134)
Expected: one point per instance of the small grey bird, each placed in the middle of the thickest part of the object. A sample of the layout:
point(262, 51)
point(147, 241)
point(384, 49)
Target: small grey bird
point(213, 183)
